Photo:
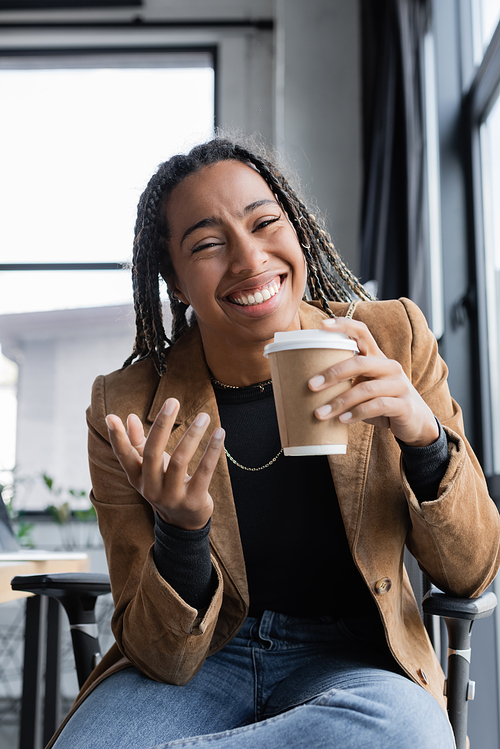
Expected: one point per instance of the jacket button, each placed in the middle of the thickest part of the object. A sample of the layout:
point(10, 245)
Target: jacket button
point(383, 585)
point(422, 676)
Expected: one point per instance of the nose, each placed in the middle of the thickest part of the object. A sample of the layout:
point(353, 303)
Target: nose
point(247, 254)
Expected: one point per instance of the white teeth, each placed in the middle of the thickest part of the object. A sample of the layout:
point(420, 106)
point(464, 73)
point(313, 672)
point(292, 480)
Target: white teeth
point(260, 296)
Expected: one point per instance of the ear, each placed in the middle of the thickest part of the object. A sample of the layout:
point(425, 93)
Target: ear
point(174, 290)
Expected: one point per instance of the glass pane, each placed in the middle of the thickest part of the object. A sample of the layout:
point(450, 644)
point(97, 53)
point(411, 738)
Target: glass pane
point(486, 14)
point(77, 147)
point(31, 291)
point(490, 152)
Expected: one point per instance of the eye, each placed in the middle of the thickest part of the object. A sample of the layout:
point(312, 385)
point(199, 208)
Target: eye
point(267, 222)
point(207, 245)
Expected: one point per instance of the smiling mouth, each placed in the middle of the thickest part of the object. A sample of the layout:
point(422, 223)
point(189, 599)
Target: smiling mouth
point(258, 295)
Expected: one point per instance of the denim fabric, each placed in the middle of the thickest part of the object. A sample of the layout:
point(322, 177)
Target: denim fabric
point(282, 682)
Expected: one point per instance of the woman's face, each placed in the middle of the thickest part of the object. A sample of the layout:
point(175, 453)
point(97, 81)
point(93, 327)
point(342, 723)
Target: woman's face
point(236, 258)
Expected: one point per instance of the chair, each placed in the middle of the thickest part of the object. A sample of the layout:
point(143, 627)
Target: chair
point(42, 633)
point(78, 595)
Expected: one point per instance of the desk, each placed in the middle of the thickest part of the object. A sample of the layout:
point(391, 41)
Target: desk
point(35, 563)
point(42, 638)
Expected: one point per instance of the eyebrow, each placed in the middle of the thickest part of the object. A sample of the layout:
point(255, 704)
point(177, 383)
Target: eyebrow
point(213, 221)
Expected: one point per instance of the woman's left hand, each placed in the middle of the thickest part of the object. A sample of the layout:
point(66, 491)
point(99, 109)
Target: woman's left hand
point(381, 393)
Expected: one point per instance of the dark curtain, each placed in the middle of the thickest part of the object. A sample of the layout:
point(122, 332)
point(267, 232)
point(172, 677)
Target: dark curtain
point(394, 224)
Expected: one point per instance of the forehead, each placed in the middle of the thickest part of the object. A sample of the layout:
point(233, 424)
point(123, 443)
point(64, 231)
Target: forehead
point(225, 187)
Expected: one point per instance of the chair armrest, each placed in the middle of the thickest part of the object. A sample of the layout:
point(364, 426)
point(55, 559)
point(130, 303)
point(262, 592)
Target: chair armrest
point(438, 603)
point(459, 615)
point(77, 593)
point(62, 584)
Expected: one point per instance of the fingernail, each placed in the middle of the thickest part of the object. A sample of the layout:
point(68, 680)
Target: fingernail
point(345, 417)
point(201, 420)
point(169, 407)
point(317, 381)
point(109, 424)
point(324, 410)
point(330, 322)
point(219, 433)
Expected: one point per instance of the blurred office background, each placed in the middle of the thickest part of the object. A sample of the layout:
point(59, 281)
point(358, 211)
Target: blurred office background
point(385, 110)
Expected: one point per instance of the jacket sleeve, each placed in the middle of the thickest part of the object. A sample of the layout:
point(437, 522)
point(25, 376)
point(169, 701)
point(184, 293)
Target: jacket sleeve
point(154, 628)
point(455, 537)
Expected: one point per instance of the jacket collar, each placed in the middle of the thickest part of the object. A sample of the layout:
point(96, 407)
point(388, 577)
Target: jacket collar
point(187, 379)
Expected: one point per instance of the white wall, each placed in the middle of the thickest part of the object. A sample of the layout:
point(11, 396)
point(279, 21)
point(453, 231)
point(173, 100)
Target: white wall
point(318, 109)
point(59, 355)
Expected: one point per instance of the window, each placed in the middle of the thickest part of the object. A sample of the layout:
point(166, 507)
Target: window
point(490, 170)
point(485, 133)
point(80, 135)
point(485, 17)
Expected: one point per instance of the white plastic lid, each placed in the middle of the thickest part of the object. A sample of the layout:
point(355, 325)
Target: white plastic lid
point(303, 339)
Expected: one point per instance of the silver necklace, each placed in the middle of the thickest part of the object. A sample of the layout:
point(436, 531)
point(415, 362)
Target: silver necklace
point(261, 386)
point(246, 468)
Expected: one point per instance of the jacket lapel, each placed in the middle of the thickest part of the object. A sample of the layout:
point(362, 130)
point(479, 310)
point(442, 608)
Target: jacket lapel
point(349, 470)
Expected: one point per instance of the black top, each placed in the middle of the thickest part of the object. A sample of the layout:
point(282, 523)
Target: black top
point(291, 528)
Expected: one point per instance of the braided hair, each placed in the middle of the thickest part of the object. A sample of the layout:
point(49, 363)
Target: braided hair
point(328, 278)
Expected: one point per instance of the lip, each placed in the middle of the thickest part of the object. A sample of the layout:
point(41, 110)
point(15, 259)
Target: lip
point(264, 308)
point(254, 282)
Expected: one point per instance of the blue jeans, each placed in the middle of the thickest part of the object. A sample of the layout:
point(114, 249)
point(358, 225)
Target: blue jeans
point(282, 682)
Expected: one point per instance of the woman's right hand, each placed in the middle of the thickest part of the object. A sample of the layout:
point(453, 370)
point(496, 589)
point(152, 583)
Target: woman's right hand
point(162, 479)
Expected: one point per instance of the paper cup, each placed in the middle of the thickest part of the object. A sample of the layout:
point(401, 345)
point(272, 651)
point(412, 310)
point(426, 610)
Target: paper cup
point(294, 358)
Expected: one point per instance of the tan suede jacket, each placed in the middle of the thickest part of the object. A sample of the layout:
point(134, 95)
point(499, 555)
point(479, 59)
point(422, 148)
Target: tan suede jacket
point(455, 538)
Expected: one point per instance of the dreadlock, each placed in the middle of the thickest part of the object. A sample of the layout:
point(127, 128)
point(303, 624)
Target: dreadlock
point(328, 278)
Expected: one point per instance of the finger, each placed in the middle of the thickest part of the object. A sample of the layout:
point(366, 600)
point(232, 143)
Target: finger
point(156, 441)
point(184, 452)
point(135, 431)
point(127, 455)
point(356, 330)
point(365, 392)
point(202, 476)
point(349, 400)
point(356, 367)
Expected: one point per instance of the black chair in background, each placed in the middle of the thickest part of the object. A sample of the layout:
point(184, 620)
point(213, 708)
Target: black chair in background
point(39, 714)
point(77, 593)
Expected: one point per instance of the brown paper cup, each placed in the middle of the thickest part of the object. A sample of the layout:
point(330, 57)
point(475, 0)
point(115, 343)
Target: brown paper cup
point(301, 432)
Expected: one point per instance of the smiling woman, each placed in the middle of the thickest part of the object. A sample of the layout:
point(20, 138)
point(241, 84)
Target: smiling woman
point(225, 570)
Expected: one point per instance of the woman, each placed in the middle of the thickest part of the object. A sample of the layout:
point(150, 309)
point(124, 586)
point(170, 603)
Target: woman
point(261, 600)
